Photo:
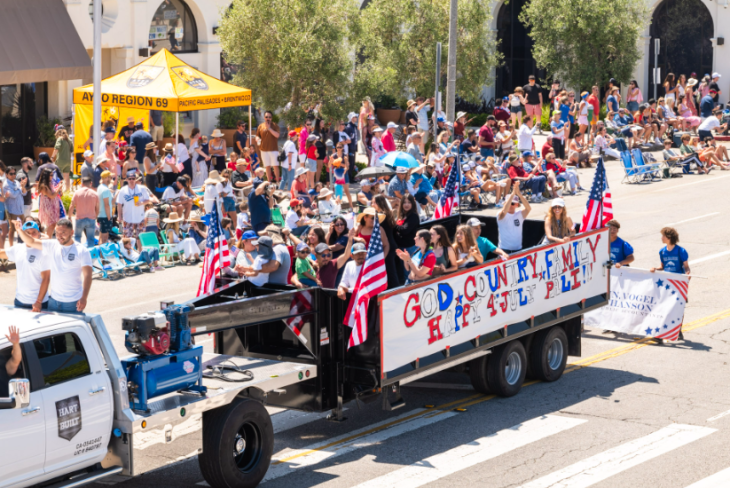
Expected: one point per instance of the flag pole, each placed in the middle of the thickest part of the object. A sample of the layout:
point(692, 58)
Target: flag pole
point(603, 188)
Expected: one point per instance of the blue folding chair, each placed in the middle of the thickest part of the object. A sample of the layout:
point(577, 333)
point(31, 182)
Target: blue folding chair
point(111, 253)
point(651, 169)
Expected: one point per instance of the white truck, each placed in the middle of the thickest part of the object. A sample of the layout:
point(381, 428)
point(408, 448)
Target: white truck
point(66, 414)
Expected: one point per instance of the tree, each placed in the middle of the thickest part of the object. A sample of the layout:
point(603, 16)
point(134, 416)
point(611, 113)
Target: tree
point(586, 43)
point(397, 48)
point(293, 54)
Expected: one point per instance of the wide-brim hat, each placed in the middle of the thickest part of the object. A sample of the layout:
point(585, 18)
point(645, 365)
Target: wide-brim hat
point(274, 232)
point(168, 147)
point(217, 133)
point(325, 193)
point(370, 211)
point(460, 115)
point(150, 145)
point(266, 247)
point(172, 218)
point(300, 172)
point(691, 82)
point(130, 120)
point(213, 178)
point(410, 103)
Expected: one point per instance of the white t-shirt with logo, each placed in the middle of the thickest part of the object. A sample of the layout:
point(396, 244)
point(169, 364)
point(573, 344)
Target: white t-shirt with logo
point(510, 231)
point(134, 214)
point(66, 263)
point(29, 263)
point(171, 195)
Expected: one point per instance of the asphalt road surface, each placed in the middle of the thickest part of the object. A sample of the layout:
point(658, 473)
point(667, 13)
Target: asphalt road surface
point(629, 412)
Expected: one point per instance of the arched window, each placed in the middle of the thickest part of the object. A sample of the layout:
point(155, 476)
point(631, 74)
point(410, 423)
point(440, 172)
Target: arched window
point(173, 27)
point(684, 28)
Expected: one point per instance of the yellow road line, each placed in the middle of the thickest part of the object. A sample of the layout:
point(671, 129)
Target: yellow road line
point(479, 398)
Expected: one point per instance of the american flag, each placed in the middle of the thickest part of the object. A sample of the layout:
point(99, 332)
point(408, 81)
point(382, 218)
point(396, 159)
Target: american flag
point(300, 304)
point(372, 280)
point(217, 255)
point(599, 209)
point(449, 201)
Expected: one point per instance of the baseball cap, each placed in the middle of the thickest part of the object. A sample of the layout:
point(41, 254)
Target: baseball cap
point(249, 234)
point(401, 170)
point(526, 154)
point(88, 153)
point(302, 246)
point(465, 167)
point(365, 182)
point(557, 202)
point(105, 174)
point(505, 99)
point(351, 115)
point(516, 199)
point(440, 119)
point(474, 222)
point(357, 248)
point(613, 80)
point(292, 133)
point(716, 75)
point(294, 202)
point(30, 225)
point(321, 247)
point(392, 125)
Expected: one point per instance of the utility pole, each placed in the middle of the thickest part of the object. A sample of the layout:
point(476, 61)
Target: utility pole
point(655, 77)
point(97, 77)
point(436, 96)
point(451, 68)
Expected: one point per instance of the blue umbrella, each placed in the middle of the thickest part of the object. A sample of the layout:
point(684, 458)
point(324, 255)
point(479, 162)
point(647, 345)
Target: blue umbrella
point(399, 159)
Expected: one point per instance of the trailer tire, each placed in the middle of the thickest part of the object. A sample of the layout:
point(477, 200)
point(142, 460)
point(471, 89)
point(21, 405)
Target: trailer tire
point(478, 374)
point(549, 354)
point(243, 427)
point(507, 368)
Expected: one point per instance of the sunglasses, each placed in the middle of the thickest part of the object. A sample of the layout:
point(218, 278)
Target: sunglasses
point(340, 224)
point(326, 255)
point(515, 203)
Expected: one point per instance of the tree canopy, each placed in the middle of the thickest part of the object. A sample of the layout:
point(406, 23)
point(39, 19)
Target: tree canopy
point(298, 53)
point(586, 43)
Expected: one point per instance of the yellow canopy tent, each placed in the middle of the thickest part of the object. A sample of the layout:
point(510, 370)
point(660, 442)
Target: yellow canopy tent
point(164, 82)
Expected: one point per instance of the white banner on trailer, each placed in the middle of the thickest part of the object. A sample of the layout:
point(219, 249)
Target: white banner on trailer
point(643, 303)
point(428, 318)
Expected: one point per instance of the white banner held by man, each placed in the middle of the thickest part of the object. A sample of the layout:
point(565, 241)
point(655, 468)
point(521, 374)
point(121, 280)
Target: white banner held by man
point(643, 303)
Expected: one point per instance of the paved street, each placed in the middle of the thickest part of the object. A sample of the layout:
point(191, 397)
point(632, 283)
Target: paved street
point(627, 413)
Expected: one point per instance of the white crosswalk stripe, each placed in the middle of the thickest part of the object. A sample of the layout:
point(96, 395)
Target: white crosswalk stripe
point(613, 461)
point(288, 462)
point(478, 451)
point(717, 480)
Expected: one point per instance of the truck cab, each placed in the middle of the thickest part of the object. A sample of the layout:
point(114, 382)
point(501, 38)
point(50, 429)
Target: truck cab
point(66, 423)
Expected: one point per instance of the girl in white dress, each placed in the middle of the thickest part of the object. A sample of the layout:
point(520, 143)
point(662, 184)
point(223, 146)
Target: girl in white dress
point(186, 245)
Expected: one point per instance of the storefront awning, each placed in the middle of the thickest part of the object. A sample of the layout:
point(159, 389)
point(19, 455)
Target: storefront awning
point(39, 42)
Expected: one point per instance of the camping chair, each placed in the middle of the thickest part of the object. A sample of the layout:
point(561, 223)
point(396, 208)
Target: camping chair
point(653, 169)
point(105, 266)
point(277, 218)
point(111, 253)
point(98, 268)
point(170, 247)
point(149, 241)
point(634, 173)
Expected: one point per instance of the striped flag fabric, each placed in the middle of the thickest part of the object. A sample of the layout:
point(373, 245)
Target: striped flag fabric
point(599, 209)
point(300, 304)
point(56, 183)
point(449, 202)
point(373, 279)
point(217, 254)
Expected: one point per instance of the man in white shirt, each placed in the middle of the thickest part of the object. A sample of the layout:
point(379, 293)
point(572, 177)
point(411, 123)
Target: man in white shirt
point(510, 221)
point(704, 131)
point(289, 165)
point(33, 272)
point(179, 201)
point(352, 270)
point(296, 224)
point(130, 207)
point(70, 265)
point(525, 133)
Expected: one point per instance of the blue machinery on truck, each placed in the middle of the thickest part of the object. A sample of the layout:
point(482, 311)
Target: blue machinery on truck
point(167, 360)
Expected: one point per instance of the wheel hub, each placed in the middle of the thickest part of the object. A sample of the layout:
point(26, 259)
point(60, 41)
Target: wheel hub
point(555, 354)
point(513, 368)
point(239, 445)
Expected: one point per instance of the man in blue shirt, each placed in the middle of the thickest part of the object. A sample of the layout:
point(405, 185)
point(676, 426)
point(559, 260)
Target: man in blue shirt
point(623, 122)
point(422, 187)
point(398, 186)
point(260, 202)
point(485, 245)
point(139, 140)
point(707, 105)
point(622, 254)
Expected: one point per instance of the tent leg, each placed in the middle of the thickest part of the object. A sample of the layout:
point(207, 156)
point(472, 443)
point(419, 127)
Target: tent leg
point(250, 129)
point(174, 144)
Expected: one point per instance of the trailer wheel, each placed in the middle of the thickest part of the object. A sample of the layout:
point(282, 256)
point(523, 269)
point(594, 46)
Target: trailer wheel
point(478, 374)
point(238, 441)
point(548, 354)
point(506, 369)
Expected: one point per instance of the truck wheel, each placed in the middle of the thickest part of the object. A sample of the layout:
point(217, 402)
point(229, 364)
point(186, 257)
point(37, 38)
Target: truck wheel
point(548, 354)
point(506, 369)
point(478, 374)
point(238, 441)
